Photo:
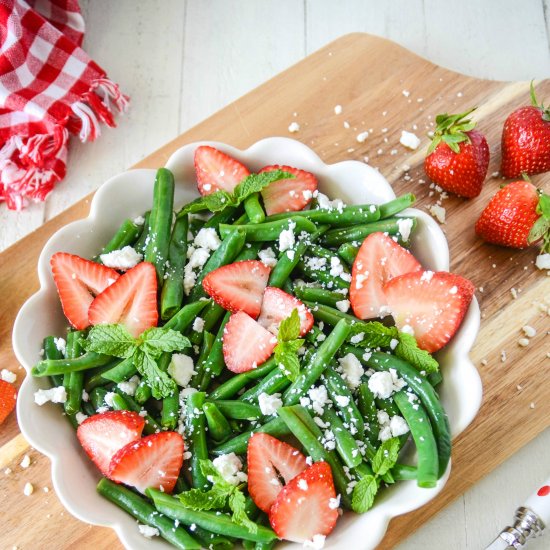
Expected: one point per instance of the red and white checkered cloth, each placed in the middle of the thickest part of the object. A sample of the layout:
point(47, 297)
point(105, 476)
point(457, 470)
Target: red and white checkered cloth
point(49, 87)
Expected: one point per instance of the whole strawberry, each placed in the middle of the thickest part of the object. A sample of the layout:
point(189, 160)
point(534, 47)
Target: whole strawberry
point(458, 156)
point(517, 216)
point(526, 140)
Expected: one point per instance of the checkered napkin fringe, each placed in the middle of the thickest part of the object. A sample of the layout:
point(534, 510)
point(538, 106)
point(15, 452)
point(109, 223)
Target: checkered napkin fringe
point(49, 87)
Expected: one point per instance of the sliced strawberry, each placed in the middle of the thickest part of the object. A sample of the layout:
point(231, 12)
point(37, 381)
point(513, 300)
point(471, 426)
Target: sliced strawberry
point(432, 304)
point(8, 398)
point(102, 435)
point(278, 305)
point(269, 462)
point(131, 300)
point(78, 281)
point(289, 195)
point(246, 344)
point(303, 508)
point(379, 259)
point(216, 170)
point(153, 461)
point(238, 286)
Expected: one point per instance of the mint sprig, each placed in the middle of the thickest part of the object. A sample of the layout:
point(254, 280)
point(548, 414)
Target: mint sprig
point(367, 487)
point(219, 200)
point(145, 350)
point(288, 345)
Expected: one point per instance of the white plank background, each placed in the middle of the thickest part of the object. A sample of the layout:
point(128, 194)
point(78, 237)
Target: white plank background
point(183, 60)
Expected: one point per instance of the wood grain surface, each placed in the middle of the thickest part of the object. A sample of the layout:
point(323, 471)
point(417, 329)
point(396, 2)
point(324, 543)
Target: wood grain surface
point(366, 75)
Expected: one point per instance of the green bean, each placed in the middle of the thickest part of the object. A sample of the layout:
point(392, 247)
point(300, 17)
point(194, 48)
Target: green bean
point(213, 366)
point(89, 360)
point(318, 295)
point(241, 220)
point(249, 252)
point(421, 431)
point(435, 378)
point(322, 277)
point(212, 521)
point(254, 209)
point(342, 398)
point(329, 315)
point(97, 397)
point(139, 245)
point(348, 252)
point(218, 426)
point(232, 386)
point(387, 405)
point(143, 392)
point(237, 409)
point(94, 377)
point(315, 335)
point(139, 508)
point(239, 443)
point(348, 215)
point(274, 382)
point(184, 318)
point(119, 403)
point(206, 346)
point(196, 436)
point(52, 352)
point(396, 205)
point(73, 381)
point(318, 251)
point(336, 237)
point(160, 222)
point(232, 244)
point(170, 411)
point(269, 231)
point(345, 442)
point(88, 408)
point(121, 371)
point(318, 362)
point(223, 216)
point(181, 484)
point(426, 393)
point(403, 472)
point(310, 438)
point(196, 224)
point(365, 401)
point(171, 296)
point(211, 540)
point(126, 235)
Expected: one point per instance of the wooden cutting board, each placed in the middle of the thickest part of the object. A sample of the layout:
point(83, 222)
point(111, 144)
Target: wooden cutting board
point(383, 89)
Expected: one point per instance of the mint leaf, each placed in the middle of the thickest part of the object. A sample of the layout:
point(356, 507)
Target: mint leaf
point(112, 340)
point(375, 334)
point(214, 202)
point(254, 183)
point(160, 383)
point(156, 340)
point(237, 504)
point(363, 494)
point(196, 499)
point(289, 329)
point(386, 456)
point(408, 350)
point(288, 362)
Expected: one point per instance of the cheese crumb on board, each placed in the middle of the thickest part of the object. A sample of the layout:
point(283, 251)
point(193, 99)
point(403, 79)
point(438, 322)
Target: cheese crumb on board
point(409, 140)
point(293, 127)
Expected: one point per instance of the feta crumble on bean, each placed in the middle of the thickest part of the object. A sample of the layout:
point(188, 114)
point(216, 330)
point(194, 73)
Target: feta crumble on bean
point(198, 324)
point(269, 404)
point(181, 369)
point(129, 386)
point(147, 531)
point(60, 344)
point(207, 238)
point(352, 370)
point(383, 384)
point(122, 259)
point(267, 257)
point(230, 468)
point(287, 238)
point(343, 305)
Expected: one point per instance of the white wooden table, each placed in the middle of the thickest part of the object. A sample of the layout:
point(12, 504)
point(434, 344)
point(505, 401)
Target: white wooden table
point(183, 60)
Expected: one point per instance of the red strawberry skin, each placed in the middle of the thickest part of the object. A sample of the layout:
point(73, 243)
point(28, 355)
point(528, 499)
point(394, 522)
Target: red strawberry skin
point(379, 260)
point(278, 305)
point(246, 344)
point(78, 281)
point(432, 304)
point(8, 398)
point(102, 435)
point(131, 300)
point(268, 460)
point(288, 195)
point(238, 286)
point(525, 143)
point(217, 171)
point(510, 215)
point(461, 173)
point(153, 461)
point(302, 508)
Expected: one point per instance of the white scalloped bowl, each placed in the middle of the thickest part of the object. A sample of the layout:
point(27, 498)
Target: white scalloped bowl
point(130, 194)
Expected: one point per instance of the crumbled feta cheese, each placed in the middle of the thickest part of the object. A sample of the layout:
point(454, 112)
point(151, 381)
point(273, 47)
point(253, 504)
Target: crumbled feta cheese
point(25, 462)
point(405, 225)
point(352, 370)
point(407, 329)
point(410, 140)
point(393, 343)
point(383, 418)
point(198, 324)
point(338, 109)
point(336, 267)
point(129, 386)
point(123, 259)
point(382, 384)
point(230, 468)
point(8, 376)
point(293, 127)
point(302, 484)
point(438, 212)
point(287, 238)
point(147, 531)
point(140, 220)
point(343, 305)
point(357, 338)
point(543, 261)
point(406, 93)
point(361, 138)
point(319, 398)
point(60, 344)
point(326, 204)
point(181, 369)
point(384, 434)
point(55, 395)
point(80, 417)
point(207, 238)
point(198, 258)
point(427, 276)
point(529, 331)
point(109, 399)
point(398, 426)
point(267, 257)
point(28, 489)
point(269, 404)
point(523, 342)
point(334, 503)
point(342, 400)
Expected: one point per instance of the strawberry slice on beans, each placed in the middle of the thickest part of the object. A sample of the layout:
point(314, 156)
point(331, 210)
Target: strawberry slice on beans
point(217, 171)
point(429, 305)
point(270, 462)
point(78, 281)
point(288, 195)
